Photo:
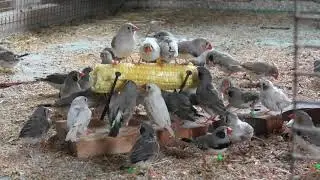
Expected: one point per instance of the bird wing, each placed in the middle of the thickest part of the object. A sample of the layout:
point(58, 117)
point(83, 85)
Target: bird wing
point(144, 149)
point(56, 78)
point(7, 55)
point(73, 113)
point(281, 98)
point(210, 98)
point(36, 126)
point(115, 105)
point(83, 117)
point(257, 67)
point(250, 96)
point(157, 110)
point(180, 105)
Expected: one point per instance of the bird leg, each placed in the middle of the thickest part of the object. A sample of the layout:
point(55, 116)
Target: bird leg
point(204, 158)
point(140, 59)
point(185, 80)
point(88, 131)
point(209, 120)
point(106, 108)
point(115, 62)
point(175, 61)
point(152, 173)
point(265, 113)
point(255, 137)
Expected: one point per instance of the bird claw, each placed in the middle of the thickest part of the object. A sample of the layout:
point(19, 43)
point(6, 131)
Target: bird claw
point(88, 131)
point(152, 173)
point(209, 121)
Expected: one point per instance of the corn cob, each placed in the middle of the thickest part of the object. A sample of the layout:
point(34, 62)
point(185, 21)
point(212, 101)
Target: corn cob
point(166, 76)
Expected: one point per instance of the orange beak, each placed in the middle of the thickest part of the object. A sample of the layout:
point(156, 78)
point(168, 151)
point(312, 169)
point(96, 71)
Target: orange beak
point(292, 116)
point(229, 131)
point(147, 50)
point(82, 74)
point(135, 28)
point(143, 87)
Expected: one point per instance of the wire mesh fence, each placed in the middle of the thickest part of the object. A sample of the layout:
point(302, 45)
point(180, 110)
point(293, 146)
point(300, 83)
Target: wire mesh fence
point(17, 15)
point(302, 148)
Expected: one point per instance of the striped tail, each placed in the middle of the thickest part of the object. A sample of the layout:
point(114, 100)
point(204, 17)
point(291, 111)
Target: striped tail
point(116, 125)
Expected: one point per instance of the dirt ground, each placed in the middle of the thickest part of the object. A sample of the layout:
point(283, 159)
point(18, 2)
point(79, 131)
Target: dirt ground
point(64, 48)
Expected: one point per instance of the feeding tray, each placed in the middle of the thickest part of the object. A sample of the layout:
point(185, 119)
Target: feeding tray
point(180, 132)
point(312, 108)
point(262, 123)
point(99, 143)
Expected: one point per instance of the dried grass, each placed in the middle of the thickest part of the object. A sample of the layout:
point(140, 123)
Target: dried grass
point(237, 34)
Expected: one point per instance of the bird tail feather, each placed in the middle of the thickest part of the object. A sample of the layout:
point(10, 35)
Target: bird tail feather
point(22, 55)
point(72, 134)
point(116, 125)
point(187, 140)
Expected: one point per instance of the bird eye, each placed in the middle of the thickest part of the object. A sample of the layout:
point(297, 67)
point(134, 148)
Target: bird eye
point(299, 133)
point(148, 87)
point(128, 28)
point(221, 134)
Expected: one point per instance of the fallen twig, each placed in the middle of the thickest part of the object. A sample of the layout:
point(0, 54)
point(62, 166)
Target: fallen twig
point(272, 27)
point(9, 84)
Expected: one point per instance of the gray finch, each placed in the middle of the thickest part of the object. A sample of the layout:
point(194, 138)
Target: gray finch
point(107, 56)
point(180, 105)
point(195, 47)
point(242, 99)
point(146, 147)
point(38, 124)
point(307, 135)
point(124, 42)
point(85, 80)
point(218, 139)
point(224, 61)
point(121, 107)
point(261, 69)
point(8, 59)
point(206, 94)
point(70, 85)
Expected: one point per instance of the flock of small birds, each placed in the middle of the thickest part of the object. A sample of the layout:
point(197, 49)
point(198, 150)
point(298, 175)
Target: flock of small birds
point(166, 107)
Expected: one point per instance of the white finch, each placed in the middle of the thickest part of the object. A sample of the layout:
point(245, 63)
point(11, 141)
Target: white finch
point(272, 97)
point(150, 50)
point(124, 42)
point(78, 118)
point(156, 107)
